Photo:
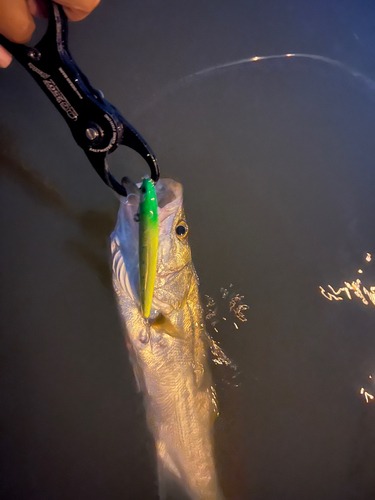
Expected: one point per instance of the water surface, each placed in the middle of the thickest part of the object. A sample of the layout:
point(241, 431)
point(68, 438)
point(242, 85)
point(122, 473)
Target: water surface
point(277, 161)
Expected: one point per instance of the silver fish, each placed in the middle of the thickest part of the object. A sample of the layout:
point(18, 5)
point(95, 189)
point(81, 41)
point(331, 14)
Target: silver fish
point(168, 351)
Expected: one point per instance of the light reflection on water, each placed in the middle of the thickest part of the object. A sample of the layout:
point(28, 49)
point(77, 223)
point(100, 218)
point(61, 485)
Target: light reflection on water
point(368, 397)
point(231, 302)
point(356, 287)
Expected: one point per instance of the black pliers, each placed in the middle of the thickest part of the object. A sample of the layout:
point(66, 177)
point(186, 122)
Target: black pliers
point(96, 125)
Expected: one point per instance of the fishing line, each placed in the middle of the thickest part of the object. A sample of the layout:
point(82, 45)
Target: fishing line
point(201, 74)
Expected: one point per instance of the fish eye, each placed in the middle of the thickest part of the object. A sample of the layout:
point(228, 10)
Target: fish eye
point(182, 230)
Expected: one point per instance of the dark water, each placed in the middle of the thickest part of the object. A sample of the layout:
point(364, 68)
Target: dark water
point(277, 161)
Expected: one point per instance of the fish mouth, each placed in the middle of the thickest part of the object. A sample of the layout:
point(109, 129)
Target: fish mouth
point(169, 195)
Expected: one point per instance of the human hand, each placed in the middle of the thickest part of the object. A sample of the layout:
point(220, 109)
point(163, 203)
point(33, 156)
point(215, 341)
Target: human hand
point(17, 23)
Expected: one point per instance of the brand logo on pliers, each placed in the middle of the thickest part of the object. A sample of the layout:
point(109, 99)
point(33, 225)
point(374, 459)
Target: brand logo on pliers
point(37, 70)
point(61, 99)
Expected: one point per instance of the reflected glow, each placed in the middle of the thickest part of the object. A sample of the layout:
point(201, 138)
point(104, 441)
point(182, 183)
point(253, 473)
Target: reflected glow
point(225, 292)
point(352, 289)
point(214, 400)
point(366, 394)
point(369, 397)
point(218, 355)
point(236, 306)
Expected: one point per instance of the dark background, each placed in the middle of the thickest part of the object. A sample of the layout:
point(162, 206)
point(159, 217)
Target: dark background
point(277, 161)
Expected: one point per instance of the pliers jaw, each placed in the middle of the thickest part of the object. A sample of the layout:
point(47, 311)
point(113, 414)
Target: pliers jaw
point(126, 136)
point(96, 125)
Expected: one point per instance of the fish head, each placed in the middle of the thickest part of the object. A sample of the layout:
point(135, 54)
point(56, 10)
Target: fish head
point(174, 264)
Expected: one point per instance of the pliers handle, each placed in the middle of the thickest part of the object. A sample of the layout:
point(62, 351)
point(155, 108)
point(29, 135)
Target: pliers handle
point(96, 125)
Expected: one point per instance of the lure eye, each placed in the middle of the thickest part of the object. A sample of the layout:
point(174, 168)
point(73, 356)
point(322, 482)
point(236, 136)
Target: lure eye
point(182, 230)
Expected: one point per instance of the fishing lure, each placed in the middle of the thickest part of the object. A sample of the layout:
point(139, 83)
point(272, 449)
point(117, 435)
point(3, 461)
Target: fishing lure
point(148, 244)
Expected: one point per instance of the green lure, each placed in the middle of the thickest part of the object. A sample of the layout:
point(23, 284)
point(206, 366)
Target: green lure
point(148, 244)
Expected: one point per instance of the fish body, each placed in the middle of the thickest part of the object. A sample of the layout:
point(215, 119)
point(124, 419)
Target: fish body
point(148, 244)
point(168, 350)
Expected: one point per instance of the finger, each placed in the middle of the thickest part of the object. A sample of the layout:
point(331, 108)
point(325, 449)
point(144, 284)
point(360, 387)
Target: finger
point(38, 8)
point(16, 22)
point(76, 10)
point(5, 58)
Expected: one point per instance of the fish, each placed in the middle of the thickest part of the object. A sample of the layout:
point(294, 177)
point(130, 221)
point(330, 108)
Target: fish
point(148, 244)
point(168, 350)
